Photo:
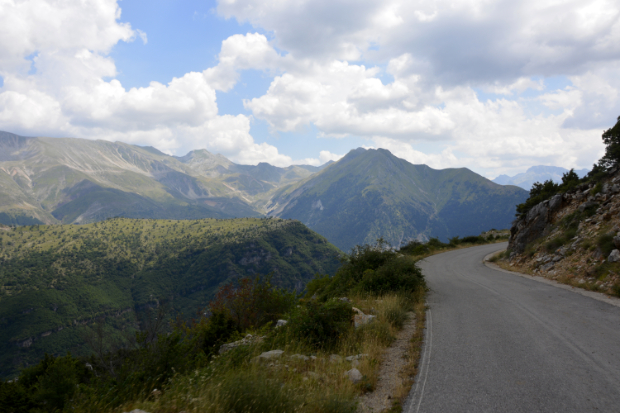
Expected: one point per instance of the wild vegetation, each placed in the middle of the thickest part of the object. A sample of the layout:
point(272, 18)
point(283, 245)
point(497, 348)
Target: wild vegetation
point(183, 370)
point(571, 239)
point(543, 191)
point(371, 193)
point(57, 280)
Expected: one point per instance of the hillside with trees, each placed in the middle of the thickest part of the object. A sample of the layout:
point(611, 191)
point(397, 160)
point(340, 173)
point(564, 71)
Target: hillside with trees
point(56, 280)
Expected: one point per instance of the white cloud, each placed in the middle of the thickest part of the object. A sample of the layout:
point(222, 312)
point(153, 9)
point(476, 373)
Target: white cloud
point(67, 44)
point(399, 74)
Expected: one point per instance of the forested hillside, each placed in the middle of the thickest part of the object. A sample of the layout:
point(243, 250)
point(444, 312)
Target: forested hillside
point(57, 279)
point(371, 193)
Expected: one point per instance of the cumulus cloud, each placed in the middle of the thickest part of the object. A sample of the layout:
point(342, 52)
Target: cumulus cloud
point(54, 60)
point(438, 54)
point(403, 75)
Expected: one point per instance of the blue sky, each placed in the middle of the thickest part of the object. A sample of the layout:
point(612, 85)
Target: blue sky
point(493, 86)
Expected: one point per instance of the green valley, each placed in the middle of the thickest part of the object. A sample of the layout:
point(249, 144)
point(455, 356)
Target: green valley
point(55, 280)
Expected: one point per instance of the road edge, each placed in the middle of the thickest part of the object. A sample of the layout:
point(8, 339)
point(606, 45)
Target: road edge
point(597, 296)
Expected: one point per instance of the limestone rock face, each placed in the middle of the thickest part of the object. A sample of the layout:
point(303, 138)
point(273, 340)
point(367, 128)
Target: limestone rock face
point(530, 228)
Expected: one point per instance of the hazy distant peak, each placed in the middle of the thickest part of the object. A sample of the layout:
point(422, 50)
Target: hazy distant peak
point(538, 173)
point(540, 169)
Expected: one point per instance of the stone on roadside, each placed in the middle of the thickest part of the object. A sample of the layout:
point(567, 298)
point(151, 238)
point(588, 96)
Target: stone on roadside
point(360, 319)
point(614, 256)
point(354, 375)
point(356, 357)
point(335, 358)
point(269, 355)
point(249, 339)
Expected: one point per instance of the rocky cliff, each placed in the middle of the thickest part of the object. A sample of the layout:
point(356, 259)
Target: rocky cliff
point(573, 237)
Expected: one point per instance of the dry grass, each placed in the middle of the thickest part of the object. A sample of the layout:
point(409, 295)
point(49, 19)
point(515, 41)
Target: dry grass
point(292, 384)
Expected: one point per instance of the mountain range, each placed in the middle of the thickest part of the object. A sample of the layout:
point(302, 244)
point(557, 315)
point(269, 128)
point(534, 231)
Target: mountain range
point(538, 173)
point(366, 195)
point(65, 180)
point(371, 193)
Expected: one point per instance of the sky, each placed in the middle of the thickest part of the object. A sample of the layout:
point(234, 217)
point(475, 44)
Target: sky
point(496, 86)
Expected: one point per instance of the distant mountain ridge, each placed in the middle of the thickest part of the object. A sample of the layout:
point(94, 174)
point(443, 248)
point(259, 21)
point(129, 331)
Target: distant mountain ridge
point(366, 195)
point(371, 193)
point(538, 173)
point(67, 180)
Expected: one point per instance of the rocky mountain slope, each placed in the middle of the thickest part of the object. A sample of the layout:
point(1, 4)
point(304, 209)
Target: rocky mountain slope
point(57, 280)
point(371, 193)
point(52, 180)
point(534, 174)
point(573, 237)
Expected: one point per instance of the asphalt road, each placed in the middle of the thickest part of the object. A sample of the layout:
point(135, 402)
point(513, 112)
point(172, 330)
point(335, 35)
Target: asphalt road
point(498, 342)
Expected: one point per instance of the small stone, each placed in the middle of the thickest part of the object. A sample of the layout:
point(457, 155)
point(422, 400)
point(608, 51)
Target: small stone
point(335, 358)
point(281, 323)
point(269, 355)
point(344, 300)
point(300, 357)
point(354, 375)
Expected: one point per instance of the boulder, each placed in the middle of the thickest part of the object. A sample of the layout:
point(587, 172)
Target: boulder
point(354, 375)
point(555, 202)
point(547, 266)
point(249, 339)
point(360, 319)
point(270, 355)
point(335, 358)
point(614, 256)
point(585, 205)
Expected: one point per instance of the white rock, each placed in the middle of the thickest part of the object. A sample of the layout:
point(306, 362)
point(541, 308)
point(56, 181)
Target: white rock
point(354, 375)
point(614, 256)
point(360, 319)
point(335, 358)
point(281, 323)
point(356, 357)
point(269, 355)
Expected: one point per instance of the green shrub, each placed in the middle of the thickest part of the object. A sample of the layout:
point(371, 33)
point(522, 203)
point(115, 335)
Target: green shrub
point(398, 275)
point(251, 303)
point(355, 264)
point(606, 243)
point(321, 325)
point(46, 386)
point(215, 331)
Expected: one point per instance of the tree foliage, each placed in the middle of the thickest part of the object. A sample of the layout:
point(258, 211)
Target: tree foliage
point(611, 138)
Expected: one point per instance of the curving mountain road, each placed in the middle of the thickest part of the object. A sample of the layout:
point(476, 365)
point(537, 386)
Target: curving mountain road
point(498, 342)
